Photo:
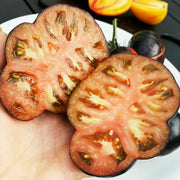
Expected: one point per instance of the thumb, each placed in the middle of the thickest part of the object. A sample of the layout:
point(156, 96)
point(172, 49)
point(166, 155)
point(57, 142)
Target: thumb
point(3, 37)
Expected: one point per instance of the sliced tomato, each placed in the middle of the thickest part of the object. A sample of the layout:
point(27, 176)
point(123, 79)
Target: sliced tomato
point(109, 8)
point(57, 52)
point(99, 150)
point(130, 95)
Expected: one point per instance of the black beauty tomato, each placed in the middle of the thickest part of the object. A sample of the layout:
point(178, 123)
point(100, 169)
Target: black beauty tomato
point(47, 59)
point(120, 113)
point(122, 50)
point(149, 44)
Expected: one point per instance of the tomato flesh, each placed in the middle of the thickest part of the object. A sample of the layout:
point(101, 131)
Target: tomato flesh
point(129, 96)
point(100, 151)
point(109, 8)
point(57, 51)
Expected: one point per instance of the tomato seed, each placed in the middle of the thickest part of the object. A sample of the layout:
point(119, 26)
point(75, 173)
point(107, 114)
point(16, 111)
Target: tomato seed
point(111, 132)
point(37, 39)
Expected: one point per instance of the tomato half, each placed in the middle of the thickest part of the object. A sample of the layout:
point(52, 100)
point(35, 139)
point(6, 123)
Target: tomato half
point(149, 11)
point(47, 59)
point(130, 97)
point(109, 8)
point(99, 150)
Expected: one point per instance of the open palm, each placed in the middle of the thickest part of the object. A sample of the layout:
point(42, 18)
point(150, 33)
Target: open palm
point(36, 149)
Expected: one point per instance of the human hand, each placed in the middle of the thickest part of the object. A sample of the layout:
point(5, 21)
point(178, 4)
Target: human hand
point(36, 149)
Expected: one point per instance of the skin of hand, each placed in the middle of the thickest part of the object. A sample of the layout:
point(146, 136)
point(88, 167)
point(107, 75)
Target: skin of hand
point(3, 37)
point(36, 149)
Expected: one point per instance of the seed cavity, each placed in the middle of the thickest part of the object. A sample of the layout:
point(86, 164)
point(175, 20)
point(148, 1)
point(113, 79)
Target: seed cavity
point(137, 108)
point(18, 107)
point(67, 83)
point(54, 98)
point(149, 85)
point(58, 102)
point(143, 140)
point(136, 126)
point(74, 64)
point(72, 31)
point(87, 25)
point(61, 21)
point(115, 91)
point(86, 158)
point(127, 64)
point(25, 82)
point(149, 68)
point(86, 56)
point(22, 51)
point(121, 77)
point(118, 158)
point(97, 101)
point(49, 29)
point(109, 144)
point(163, 93)
point(37, 39)
point(156, 107)
point(98, 45)
point(53, 48)
point(86, 118)
point(146, 143)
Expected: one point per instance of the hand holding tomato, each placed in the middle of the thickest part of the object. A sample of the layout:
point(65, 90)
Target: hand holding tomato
point(37, 149)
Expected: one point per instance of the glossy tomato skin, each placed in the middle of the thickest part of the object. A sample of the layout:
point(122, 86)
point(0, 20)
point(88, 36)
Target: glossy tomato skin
point(127, 99)
point(149, 44)
point(174, 139)
point(46, 60)
point(123, 50)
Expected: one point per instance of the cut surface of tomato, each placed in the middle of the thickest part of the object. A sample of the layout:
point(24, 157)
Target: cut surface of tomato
point(47, 59)
point(127, 97)
point(149, 11)
point(109, 8)
point(99, 151)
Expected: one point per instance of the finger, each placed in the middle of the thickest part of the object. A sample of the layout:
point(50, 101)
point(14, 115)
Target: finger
point(3, 37)
point(40, 148)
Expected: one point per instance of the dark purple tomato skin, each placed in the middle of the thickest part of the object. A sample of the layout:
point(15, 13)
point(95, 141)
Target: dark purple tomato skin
point(122, 50)
point(174, 139)
point(149, 44)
